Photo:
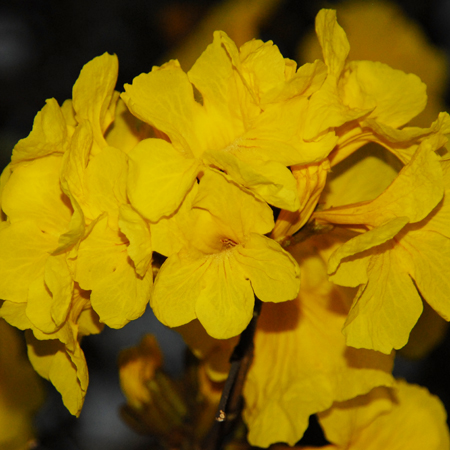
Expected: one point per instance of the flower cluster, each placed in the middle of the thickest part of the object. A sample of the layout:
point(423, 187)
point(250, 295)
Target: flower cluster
point(233, 181)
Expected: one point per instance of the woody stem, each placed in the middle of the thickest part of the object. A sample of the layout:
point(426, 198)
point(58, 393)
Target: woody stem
point(231, 400)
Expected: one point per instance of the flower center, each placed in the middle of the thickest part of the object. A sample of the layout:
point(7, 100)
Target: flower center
point(227, 243)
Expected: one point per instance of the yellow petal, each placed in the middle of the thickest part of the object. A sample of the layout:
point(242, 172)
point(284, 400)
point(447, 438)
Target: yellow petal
point(119, 294)
point(225, 302)
point(164, 98)
point(385, 310)
point(404, 143)
point(417, 189)
point(138, 233)
point(346, 421)
point(310, 180)
point(361, 177)
point(326, 111)
point(33, 193)
point(366, 241)
point(69, 116)
point(262, 65)
point(177, 287)
point(270, 180)
point(277, 135)
point(258, 216)
point(215, 76)
point(273, 273)
point(88, 322)
point(75, 229)
point(397, 96)
point(52, 362)
point(59, 282)
point(39, 306)
point(24, 250)
point(307, 80)
point(105, 181)
point(333, 40)
point(15, 314)
point(75, 162)
point(417, 421)
point(429, 254)
point(137, 367)
point(94, 98)
point(352, 271)
point(214, 353)
point(159, 178)
point(168, 236)
point(187, 287)
point(49, 135)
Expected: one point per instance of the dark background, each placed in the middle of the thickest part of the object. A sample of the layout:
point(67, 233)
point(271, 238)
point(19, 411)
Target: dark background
point(43, 46)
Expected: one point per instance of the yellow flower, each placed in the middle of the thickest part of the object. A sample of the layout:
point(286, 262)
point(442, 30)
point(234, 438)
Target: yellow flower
point(113, 260)
point(213, 353)
point(358, 97)
point(38, 214)
point(240, 111)
point(407, 236)
point(116, 265)
point(179, 412)
point(138, 366)
point(380, 31)
point(21, 392)
point(223, 263)
point(37, 284)
point(311, 181)
point(407, 416)
point(301, 363)
point(51, 191)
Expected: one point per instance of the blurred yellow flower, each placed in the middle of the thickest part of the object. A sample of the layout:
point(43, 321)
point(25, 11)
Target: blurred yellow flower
point(21, 393)
point(180, 412)
point(407, 416)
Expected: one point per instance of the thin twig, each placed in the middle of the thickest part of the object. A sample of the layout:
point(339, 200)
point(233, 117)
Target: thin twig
point(231, 401)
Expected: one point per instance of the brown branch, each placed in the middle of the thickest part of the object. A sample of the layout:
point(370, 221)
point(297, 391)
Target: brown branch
point(230, 404)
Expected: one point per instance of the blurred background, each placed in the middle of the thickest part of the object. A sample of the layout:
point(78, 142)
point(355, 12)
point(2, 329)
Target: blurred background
point(45, 43)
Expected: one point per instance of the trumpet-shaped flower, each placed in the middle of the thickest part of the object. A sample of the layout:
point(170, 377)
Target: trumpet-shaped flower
point(393, 260)
point(224, 262)
point(301, 363)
